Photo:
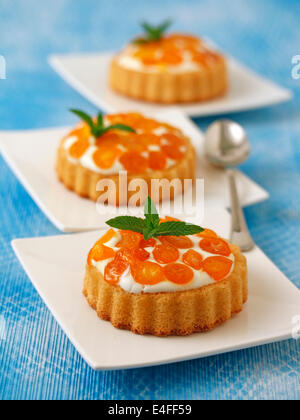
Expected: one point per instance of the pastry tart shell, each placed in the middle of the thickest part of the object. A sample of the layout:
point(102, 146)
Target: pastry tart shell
point(170, 87)
point(84, 181)
point(169, 313)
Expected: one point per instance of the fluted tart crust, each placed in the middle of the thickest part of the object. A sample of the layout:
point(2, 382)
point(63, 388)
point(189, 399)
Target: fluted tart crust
point(170, 88)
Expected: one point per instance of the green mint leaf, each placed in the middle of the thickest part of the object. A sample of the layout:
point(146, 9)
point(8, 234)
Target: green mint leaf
point(151, 215)
point(148, 233)
point(149, 29)
point(100, 121)
point(165, 25)
point(85, 117)
point(97, 129)
point(118, 127)
point(155, 37)
point(153, 33)
point(151, 226)
point(177, 229)
point(134, 224)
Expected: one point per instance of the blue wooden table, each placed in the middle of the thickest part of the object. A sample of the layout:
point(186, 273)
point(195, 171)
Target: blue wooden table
point(36, 359)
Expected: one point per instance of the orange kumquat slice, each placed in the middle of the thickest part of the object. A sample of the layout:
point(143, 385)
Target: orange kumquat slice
point(79, 148)
point(109, 138)
point(129, 239)
point(81, 131)
point(105, 156)
point(148, 273)
point(193, 259)
point(134, 162)
point(178, 273)
point(178, 241)
point(217, 267)
point(172, 152)
point(100, 252)
point(147, 139)
point(173, 139)
point(157, 160)
point(207, 233)
point(151, 242)
point(141, 254)
point(123, 259)
point(107, 236)
point(165, 253)
point(215, 246)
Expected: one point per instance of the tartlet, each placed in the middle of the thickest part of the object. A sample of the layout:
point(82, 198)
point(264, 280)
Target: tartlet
point(169, 285)
point(175, 68)
point(137, 146)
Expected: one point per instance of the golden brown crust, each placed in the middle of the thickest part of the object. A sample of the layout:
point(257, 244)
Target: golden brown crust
point(169, 313)
point(83, 181)
point(165, 87)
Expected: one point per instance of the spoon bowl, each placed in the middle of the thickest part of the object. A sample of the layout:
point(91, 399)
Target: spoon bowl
point(226, 144)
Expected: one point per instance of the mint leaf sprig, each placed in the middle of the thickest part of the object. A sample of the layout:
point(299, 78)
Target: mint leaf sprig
point(150, 227)
point(97, 127)
point(152, 33)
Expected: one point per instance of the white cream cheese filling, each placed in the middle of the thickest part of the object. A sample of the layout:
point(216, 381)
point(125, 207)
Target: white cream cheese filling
point(127, 282)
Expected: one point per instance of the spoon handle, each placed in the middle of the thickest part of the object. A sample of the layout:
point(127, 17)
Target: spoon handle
point(239, 231)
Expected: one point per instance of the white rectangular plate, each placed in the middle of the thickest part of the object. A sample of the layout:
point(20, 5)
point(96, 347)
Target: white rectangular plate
point(88, 74)
point(56, 267)
point(31, 155)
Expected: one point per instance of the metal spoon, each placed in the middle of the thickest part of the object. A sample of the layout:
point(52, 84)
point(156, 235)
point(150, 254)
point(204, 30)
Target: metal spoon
point(226, 146)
